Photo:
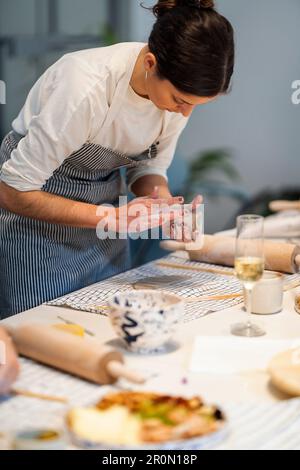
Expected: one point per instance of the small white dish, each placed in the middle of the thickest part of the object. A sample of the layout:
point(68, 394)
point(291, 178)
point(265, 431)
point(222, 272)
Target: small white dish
point(145, 319)
point(267, 294)
point(39, 439)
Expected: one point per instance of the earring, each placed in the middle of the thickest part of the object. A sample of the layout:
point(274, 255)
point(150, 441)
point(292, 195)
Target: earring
point(146, 75)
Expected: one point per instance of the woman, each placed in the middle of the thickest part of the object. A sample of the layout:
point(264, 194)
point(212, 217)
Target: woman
point(90, 114)
point(9, 369)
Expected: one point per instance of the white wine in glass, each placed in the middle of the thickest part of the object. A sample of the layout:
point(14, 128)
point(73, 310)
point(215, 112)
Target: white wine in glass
point(249, 269)
point(249, 266)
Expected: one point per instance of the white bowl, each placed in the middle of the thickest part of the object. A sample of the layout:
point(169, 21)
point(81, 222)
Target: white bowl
point(145, 319)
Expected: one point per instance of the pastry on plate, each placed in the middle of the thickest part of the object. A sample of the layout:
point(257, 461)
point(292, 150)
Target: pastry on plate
point(138, 418)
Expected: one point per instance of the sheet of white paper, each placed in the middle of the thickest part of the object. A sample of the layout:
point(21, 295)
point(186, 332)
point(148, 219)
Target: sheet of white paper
point(229, 355)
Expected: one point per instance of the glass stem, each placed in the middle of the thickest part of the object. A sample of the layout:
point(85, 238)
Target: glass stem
point(249, 305)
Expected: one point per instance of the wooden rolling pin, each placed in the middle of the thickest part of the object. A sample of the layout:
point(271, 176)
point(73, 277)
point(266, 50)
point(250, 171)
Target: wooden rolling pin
point(83, 357)
point(278, 206)
point(283, 257)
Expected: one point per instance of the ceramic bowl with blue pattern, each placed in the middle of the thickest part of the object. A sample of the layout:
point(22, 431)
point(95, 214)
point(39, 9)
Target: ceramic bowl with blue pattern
point(145, 319)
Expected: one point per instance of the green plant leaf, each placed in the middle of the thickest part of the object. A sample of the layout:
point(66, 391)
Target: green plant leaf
point(213, 161)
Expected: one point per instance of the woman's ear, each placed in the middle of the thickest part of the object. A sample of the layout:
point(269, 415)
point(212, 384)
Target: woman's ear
point(150, 62)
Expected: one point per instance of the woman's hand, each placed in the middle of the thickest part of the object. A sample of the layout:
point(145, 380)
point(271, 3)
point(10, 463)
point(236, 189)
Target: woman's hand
point(8, 371)
point(145, 213)
point(139, 215)
point(185, 228)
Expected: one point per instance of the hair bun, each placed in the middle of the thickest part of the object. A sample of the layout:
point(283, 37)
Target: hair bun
point(163, 6)
point(207, 3)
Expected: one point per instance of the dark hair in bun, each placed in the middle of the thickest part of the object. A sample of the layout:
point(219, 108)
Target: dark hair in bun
point(193, 45)
point(165, 5)
point(207, 3)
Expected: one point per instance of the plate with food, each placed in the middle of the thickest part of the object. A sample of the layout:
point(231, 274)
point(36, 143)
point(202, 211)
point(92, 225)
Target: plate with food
point(144, 420)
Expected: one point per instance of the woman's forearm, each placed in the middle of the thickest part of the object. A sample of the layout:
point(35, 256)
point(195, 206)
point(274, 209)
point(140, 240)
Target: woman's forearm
point(54, 209)
point(48, 207)
point(145, 186)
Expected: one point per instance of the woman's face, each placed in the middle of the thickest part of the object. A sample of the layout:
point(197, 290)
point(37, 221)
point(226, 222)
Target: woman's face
point(161, 91)
point(166, 97)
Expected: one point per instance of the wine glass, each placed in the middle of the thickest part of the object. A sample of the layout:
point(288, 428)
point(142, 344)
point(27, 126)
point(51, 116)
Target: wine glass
point(249, 266)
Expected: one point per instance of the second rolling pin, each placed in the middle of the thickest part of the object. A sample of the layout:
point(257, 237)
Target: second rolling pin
point(283, 257)
point(86, 358)
point(282, 205)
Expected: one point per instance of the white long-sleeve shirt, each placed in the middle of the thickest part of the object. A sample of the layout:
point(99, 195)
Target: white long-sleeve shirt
point(70, 105)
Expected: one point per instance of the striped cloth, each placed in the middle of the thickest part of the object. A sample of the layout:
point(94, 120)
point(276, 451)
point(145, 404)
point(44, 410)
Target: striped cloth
point(264, 426)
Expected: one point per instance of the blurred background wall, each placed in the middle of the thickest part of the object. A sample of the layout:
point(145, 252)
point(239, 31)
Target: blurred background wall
point(256, 124)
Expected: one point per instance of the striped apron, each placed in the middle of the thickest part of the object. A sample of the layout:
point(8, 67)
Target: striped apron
point(40, 261)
